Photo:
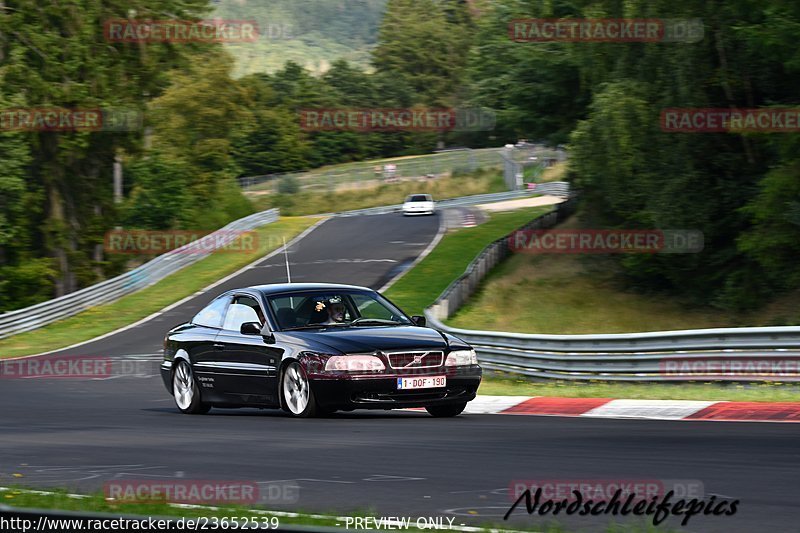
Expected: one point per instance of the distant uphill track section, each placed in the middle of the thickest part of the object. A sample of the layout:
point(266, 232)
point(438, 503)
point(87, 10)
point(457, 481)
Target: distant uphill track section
point(555, 188)
point(36, 316)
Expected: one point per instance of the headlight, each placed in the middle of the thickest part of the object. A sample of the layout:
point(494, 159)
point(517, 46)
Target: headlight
point(461, 358)
point(354, 363)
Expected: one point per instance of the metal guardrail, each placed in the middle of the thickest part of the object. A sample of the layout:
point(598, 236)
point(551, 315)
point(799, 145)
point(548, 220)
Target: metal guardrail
point(44, 313)
point(720, 354)
point(462, 288)
point(556, 188)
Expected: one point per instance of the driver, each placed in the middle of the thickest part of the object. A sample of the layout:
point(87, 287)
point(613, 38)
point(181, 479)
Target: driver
point(335, 309)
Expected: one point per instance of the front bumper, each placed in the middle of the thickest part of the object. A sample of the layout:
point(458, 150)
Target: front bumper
point(380, 392)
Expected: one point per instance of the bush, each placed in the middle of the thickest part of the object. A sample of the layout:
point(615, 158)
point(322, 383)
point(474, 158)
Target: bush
point(288, 185)
point(26, 284)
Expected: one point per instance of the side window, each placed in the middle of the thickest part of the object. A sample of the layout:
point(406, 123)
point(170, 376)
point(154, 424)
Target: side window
point(243, 309)
point(211, 315)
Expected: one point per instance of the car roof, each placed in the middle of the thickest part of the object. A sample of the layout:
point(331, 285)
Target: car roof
point(279, 288)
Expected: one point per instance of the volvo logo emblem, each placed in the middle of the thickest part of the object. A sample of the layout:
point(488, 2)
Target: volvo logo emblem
point(417, 359)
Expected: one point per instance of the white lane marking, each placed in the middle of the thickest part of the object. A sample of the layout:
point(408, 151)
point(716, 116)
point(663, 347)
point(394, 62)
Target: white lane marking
point(659, 409)
point(500, 491)
point(423, 255)
point(84, 472)
point(383, 477)
point(184, 300)
point(488, 511)
point(311, 480)
point(487, 405)
point(329, 261)
point(43, 492)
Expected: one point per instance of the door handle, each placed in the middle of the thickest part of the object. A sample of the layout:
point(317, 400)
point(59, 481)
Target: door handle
point(218, 346)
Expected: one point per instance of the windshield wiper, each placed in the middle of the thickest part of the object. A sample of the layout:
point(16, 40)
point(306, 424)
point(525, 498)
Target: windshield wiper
point(378, 321)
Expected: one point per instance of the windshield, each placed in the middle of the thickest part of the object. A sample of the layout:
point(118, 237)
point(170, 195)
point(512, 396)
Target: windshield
point(418, 198)
point(308, 310)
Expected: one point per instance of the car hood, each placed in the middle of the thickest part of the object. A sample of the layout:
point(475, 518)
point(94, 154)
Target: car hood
point(370, 339)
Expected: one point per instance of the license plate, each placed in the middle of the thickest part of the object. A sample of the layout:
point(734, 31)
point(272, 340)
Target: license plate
point(426, 382)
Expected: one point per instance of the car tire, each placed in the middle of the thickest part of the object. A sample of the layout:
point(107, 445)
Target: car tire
point(443, 411)
point(297, 398)
point(186, 392)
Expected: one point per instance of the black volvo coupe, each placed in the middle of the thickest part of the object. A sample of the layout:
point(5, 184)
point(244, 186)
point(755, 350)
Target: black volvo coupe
point(313, 349)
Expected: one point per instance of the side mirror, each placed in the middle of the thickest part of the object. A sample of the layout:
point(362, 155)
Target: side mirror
point(419, 320)
point(250, 328)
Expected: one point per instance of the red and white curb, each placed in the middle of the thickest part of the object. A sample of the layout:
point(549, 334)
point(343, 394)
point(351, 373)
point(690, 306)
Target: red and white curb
point(642, 409)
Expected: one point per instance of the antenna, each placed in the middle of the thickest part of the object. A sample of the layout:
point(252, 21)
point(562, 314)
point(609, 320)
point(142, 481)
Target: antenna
point(286, 256)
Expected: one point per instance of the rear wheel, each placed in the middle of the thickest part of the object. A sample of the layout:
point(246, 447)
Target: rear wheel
point(441, 411)
point(186, 392)
point(298, 398)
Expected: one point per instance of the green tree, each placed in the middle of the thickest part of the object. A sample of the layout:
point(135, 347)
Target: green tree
point(425, 43)
point(195, 122)
point(55, 54)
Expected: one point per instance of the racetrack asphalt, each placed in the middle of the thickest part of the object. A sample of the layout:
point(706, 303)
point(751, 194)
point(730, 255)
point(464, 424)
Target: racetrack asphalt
point(80, 434)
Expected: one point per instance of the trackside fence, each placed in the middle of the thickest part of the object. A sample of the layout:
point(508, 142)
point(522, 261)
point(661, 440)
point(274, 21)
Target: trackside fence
point(753, 354)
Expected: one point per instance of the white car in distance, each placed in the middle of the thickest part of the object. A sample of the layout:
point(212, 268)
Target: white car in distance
point(419, 204)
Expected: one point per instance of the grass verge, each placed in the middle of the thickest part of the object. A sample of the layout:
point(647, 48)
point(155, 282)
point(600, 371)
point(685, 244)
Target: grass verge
point(357, 173)
point(96, 503)
point(547, 296)
point(498, 384)
point(578, 294)
point(311, 202)
point(127, 310)
point(425, 282)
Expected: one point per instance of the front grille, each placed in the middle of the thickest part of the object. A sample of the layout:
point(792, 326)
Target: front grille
point(413, 360)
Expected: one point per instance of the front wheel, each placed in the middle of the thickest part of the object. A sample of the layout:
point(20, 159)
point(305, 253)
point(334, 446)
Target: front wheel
point(298, 398)
point(441, 411)
point(186, 392)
